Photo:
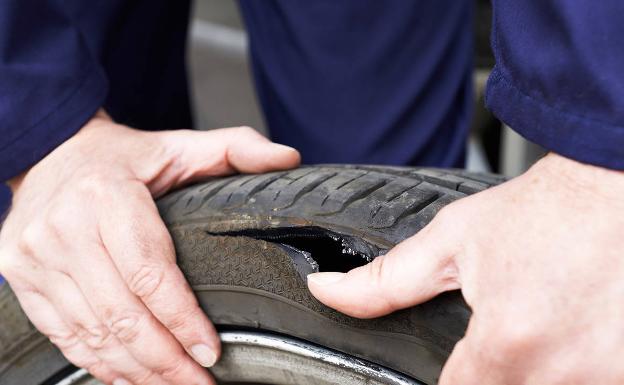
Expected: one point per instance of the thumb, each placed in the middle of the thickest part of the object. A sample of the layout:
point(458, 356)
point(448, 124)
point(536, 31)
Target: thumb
point(413, 272)
point(199, 154)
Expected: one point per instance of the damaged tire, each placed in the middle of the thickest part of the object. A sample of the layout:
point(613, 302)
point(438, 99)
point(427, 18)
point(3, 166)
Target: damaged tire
point(246, 244)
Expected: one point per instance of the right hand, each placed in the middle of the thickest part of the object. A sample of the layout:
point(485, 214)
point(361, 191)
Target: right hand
point(92, 263)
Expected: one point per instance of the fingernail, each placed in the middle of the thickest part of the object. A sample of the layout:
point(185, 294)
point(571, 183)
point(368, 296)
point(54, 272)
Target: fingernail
point(121, 381)
point(325, 278)
point(203, 355)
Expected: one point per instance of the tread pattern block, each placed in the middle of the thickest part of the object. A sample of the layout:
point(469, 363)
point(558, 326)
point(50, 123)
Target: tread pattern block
point(385, 202)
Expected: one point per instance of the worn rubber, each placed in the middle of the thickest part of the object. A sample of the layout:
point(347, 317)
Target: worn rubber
point(234, 244)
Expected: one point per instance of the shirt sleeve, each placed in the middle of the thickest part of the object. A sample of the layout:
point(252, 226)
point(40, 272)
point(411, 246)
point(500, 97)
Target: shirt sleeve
point(559, 76)
point(50, 84)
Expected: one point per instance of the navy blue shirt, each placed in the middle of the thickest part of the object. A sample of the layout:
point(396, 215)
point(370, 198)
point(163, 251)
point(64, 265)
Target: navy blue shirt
point(347, 80)
point(365, 81)
point(62, 60)
point(559, 75)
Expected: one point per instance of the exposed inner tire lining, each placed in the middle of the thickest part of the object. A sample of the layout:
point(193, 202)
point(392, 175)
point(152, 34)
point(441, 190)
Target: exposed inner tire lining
point(324, 250)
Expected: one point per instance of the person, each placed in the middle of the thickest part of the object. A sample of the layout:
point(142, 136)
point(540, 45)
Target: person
point(538, 258)
point(365, 81)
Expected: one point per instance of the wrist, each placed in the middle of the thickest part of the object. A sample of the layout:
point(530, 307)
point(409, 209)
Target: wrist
point(100, 117)
point(581, 177)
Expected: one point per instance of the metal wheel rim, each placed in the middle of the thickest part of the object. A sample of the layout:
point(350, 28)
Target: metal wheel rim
point(253, 357)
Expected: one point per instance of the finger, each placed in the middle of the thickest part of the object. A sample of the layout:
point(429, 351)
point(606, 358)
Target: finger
point(199, 154)
point(130, 321)
point(468, 365)
point(416, 270)
point(462, 368)
point(143, 252)
point(75, 311)
point(47, 320)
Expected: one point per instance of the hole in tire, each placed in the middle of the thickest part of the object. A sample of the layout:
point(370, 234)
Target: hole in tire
point(330, 251)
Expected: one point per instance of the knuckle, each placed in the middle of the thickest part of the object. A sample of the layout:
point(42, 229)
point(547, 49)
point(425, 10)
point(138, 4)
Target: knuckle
point(97, 368)
point(64, 340)
point(146, 280)
point(378, 271)
point(9, 264)
point(5, 261)
point(80, 356)
point(126, 327)
point(31, 236)
point(54, 224)
point(88, 362)
point(96, 337)
point(91, 185)
point(180, 320)
point(513, 339)
point(171, 367)
point(146, 377)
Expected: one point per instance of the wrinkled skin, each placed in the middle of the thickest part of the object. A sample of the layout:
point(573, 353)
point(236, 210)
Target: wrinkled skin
point(92, 263)
point(539, 259)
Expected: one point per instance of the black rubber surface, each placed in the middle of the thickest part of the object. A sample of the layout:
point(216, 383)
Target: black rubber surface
point(246, 242)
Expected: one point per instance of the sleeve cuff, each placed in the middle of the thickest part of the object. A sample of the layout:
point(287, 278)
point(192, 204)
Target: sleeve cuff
point(58, 126)
point(573, 136)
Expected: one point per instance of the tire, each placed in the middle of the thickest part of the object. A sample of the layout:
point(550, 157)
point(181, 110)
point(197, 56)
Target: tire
point(246, 243)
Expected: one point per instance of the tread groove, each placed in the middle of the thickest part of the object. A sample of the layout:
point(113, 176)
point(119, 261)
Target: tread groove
point(299, 177)
point(308, 188)
point(178, 195)
point(390, 199)
point(250, 179)
point(355, 197)
point(418, 207)
point(475, 178)
point(398, 194)
point(262, 186)
point(352, 180)
point(214, 191)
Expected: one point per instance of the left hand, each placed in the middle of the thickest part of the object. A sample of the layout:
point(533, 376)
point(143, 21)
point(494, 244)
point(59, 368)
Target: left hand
point(539, 259)
point(91, 261)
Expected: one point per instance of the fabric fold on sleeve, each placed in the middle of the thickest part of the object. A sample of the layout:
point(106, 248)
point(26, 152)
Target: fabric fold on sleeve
point(559, 76)
point(50, 84)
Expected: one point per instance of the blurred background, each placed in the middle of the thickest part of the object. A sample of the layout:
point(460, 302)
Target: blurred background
point(223, 91)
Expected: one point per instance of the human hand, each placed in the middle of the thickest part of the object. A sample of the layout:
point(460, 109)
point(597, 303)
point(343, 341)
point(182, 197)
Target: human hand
point(92, 263)
point(539, 259)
